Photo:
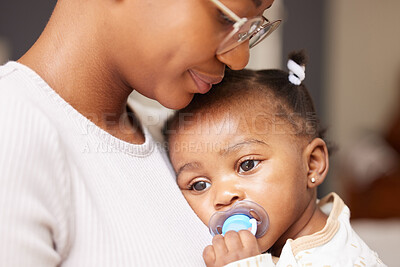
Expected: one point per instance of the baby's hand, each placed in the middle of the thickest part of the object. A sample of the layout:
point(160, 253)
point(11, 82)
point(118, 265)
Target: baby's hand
point(232, 247)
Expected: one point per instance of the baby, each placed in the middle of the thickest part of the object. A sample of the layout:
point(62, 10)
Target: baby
point(256, 137)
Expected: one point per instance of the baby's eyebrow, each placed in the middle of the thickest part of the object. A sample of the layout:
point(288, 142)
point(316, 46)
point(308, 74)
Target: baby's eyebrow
point(237, 146)
point(188, 166)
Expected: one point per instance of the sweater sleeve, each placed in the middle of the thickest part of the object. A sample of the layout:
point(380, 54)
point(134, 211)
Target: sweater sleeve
point(35, 204)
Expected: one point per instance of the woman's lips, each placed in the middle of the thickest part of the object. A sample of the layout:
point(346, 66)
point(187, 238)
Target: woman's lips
point(204, 81)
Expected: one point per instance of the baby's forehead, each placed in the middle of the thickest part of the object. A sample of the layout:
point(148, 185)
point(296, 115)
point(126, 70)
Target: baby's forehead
point(236, 119)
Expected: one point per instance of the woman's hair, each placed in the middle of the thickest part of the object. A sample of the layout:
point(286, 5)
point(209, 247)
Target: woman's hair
point(270, 88)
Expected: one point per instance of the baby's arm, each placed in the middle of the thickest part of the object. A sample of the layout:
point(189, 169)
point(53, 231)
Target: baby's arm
point(232, 247)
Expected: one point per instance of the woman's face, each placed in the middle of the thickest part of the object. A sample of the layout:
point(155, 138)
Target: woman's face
point(165, 49)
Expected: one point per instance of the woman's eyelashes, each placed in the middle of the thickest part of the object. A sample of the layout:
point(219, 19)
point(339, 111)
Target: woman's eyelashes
point(248, 165)
point(225, 20)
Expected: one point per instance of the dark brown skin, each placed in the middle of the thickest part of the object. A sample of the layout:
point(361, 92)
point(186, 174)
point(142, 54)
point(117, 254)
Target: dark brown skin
point(95, 53)
point(280, 179)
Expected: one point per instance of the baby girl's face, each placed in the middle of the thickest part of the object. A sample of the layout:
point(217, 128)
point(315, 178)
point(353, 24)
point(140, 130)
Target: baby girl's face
point(221, 159)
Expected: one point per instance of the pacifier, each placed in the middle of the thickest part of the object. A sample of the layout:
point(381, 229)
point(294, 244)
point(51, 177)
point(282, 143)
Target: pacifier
point(243, 215)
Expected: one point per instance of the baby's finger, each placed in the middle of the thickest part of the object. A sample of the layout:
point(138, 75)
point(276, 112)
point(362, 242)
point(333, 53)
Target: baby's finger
point(209, 255)
point(249, 242)
point(220, 248)
point(232, 241)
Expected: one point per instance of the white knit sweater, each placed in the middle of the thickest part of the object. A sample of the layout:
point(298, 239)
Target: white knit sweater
point(73, 195)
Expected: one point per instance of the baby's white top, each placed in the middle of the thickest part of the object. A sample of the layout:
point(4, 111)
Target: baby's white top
point(336, 245)
point(73, 195)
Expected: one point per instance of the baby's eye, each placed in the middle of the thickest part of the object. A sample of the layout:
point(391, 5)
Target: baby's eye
point(248, 165)
point(200, 186)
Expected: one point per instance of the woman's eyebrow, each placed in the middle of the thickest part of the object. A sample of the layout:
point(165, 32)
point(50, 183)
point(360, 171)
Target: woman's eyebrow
point(188, 166)
point(257, 3)
point(237, 146)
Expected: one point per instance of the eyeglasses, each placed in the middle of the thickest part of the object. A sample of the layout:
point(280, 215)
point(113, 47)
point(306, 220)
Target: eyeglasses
point(256, 29)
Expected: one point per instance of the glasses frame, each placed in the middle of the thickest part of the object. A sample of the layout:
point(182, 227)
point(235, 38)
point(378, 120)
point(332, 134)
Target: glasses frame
point(263, 23)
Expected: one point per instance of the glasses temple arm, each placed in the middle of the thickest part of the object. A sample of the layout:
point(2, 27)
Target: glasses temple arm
point(226, 10)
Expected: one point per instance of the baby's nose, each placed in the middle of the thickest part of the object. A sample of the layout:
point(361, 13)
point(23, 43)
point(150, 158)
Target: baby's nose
point(228, 192)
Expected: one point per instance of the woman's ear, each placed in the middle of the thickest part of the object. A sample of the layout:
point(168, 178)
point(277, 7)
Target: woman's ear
point(317, 157)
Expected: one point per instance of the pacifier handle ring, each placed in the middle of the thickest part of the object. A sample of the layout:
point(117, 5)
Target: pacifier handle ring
point(253, 226)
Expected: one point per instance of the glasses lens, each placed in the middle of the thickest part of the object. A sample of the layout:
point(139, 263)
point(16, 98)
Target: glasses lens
point(264, 31)
point(240, 35)
point(247, 30)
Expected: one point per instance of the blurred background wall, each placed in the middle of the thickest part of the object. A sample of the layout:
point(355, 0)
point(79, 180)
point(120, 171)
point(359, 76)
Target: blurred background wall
point(353, 75)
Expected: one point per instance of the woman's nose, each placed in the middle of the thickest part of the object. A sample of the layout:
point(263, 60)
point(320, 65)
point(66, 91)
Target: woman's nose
point(237, 58)
point(228, 193)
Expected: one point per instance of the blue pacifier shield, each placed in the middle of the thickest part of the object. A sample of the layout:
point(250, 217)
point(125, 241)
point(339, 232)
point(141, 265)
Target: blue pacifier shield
point(243, 215)
point(236, 223)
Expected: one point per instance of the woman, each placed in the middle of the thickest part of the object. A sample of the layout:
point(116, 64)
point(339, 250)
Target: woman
point(82, 183)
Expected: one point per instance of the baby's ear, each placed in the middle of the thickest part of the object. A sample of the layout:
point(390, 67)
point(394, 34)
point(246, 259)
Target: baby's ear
point(317, 157)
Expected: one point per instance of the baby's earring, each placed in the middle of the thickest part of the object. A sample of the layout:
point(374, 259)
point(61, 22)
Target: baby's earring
point(312, 180)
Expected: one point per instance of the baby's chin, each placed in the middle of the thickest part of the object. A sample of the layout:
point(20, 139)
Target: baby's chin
point(264, 244)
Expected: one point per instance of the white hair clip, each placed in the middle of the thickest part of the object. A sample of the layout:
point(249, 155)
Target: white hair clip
point(296, 72)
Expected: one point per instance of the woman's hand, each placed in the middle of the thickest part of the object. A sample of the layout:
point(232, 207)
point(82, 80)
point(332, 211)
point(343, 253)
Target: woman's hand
point(232, 247)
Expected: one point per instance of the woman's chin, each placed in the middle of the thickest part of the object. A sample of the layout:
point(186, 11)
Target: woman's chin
point(176, 102)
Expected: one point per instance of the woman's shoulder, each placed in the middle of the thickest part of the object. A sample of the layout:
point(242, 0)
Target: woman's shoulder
point(20, 113)
point(34, 174)
point(20, 84)
point(25, 117)
point(25, 102)
point(28, 135)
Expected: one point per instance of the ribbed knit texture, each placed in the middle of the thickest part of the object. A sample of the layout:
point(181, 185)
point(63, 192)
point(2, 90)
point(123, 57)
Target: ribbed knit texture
point(73, 195)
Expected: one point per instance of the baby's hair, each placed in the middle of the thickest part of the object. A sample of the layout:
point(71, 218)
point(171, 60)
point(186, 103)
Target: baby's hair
point(270, 88)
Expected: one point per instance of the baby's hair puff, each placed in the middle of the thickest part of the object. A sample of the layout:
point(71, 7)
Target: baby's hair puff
point(299, 57)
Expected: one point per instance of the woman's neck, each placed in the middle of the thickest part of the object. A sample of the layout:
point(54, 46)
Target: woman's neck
point(70, 57)
point(311, 221)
